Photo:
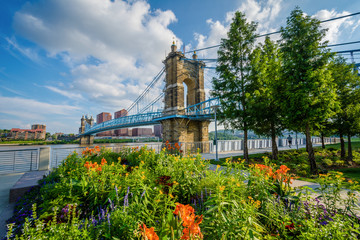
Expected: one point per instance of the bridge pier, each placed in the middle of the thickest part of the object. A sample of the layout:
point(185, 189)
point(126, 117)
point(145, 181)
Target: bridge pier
point(181, 72)
point(87, 140)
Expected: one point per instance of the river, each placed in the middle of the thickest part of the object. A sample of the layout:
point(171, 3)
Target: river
point(57, 146)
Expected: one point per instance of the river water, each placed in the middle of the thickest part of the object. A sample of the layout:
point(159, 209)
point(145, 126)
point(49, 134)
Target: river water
point(57, 146)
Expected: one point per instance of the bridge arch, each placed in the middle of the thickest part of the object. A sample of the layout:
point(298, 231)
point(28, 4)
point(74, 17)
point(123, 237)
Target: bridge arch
point(179, 71)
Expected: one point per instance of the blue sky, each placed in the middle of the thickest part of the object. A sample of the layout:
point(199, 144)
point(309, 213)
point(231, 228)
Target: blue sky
point(60, 59)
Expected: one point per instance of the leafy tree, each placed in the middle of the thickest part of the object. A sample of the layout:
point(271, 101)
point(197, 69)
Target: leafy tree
point(265, 74)
point(308, 89)
point(232, 85)
point(346, 121)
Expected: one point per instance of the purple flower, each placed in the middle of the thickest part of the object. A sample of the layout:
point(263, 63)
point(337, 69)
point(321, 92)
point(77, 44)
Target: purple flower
point(143, 193)
point(323, 223)
point(108, 219)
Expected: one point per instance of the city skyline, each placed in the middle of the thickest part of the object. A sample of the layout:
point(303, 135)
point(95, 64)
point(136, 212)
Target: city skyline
point(62, 59)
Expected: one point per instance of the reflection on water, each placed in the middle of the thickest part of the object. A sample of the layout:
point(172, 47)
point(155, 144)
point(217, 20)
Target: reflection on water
point(55, 146)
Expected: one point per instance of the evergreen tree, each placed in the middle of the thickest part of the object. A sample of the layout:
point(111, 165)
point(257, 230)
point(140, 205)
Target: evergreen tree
point(232, 85)
point(308, 89)
point(347, 119)
point(264, 103)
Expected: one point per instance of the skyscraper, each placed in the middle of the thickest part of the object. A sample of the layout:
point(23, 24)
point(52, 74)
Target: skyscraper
point(103, 117)
point(122, 131)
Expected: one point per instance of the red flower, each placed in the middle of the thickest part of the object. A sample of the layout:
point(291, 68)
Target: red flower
point(290, 227)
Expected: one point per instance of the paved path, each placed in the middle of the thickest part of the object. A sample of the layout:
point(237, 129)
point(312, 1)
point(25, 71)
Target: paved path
point(7, 181)
point(251, 151)
point(20, 182)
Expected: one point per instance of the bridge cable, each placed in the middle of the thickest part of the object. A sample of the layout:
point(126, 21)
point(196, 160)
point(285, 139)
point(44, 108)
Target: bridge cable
point(267, 34)
point(147, 89)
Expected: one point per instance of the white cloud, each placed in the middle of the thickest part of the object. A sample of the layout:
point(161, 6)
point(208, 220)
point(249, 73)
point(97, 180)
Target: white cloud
point(112, 48)
point(65, 93)
point(337, 28)
point(33, 109)
point(27, 52)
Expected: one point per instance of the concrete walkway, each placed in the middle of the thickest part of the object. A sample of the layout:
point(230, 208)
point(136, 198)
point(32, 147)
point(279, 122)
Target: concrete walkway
point(11, 187)
point(7, 181)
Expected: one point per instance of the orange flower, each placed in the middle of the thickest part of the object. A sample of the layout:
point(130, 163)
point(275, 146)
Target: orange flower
point(99, 169)
point(103, 161)
point(190, 221)
point(148, 233)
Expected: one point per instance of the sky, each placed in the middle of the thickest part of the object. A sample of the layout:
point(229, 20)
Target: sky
point(61, 59)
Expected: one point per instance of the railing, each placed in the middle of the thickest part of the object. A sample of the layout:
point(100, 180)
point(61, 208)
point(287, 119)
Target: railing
point(58, 155)
point(23, 160)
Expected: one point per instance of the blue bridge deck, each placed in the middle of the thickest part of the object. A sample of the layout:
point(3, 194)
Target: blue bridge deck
point(200, 111)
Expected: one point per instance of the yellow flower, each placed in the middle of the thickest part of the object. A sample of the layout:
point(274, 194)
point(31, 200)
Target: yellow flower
point(113, 184)
point(142, 177)
point(238, 184)
point(350, 181)
point(161, 192)
point(249, 197)
point(171, 195)
point(142, 162)
point(222, 188)
point(217, 167)
point(119, 158)
point(127, 174)
point(175, 183)
point(68, 172)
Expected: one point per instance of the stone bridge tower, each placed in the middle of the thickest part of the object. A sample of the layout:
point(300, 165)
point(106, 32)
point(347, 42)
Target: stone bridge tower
point(180, 72)
point(89, 139)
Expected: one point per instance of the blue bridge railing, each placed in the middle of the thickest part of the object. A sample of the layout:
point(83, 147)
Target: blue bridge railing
point(199, 111)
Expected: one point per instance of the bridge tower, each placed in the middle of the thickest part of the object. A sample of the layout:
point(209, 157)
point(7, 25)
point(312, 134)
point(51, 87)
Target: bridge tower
point(178, 72)
point(88, 139)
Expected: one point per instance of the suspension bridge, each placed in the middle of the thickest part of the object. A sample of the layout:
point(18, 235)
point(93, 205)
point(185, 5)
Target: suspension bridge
point(179, 103)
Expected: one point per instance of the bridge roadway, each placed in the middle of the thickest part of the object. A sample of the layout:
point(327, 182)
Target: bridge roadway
point(199, 111)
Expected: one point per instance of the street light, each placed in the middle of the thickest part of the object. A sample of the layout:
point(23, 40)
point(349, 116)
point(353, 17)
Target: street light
point(216, 145)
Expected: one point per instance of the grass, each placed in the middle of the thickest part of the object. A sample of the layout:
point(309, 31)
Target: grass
point(352, 173)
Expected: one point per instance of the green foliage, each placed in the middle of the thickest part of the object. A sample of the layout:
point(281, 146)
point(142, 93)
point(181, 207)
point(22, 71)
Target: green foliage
point(105, 195)
point(234, 68)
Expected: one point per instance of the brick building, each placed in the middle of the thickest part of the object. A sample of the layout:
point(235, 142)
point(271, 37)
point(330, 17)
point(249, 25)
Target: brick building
point(142, 132)
point(158, 130)
point(103, 117)
point(123, 131)
point(37, 132)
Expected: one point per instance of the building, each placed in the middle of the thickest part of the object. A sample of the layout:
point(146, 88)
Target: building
point(37, 132)
point(38, 126)
point(158, 130)
point(138, 132)
point(103, 117)
point(123, 131)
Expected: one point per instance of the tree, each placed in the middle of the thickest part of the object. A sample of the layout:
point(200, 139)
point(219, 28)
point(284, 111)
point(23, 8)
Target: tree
point(308, 89)
point(265, 74)
point(346, 121)
point(232, 85)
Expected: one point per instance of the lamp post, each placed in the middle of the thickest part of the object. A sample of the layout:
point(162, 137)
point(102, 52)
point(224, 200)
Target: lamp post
point(216, 143)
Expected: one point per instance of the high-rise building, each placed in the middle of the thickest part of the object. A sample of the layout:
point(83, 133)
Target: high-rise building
point(122, 131)
point(141, 132)
point(103, 117)
point(158, 130)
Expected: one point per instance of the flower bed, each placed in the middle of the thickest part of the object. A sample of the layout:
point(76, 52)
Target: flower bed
point(139, 194)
